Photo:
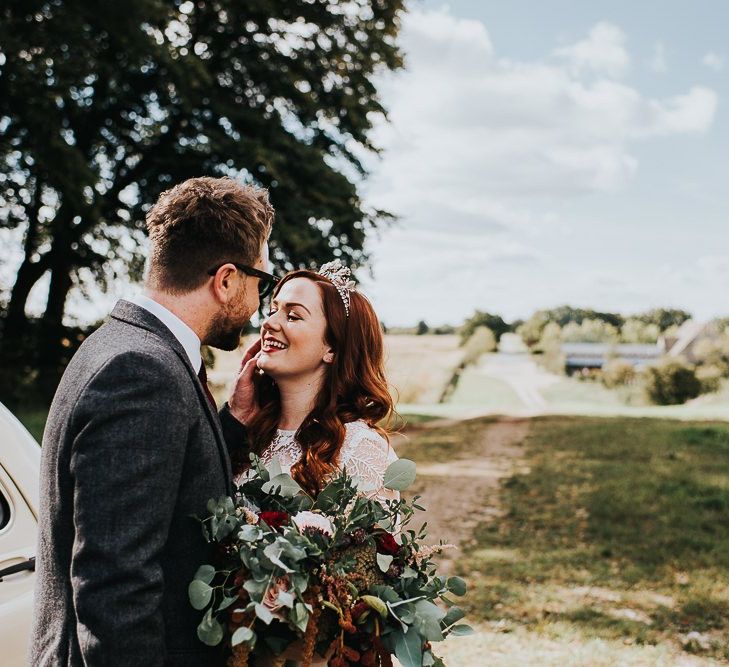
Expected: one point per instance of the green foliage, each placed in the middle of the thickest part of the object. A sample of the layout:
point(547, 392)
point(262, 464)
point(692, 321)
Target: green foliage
point(481, 342)
point(663, 318)
point(549, 346)
point(103, 105)
point(670, 382)
point(590, 331)
point(618, 373)
point(636, 331)
point(531, 330)
point(714, 352)
point(422, 328)
point(271, 563)
point(710, 377)
point(480, 319)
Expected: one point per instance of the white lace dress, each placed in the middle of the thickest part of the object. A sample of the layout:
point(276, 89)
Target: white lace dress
point(365, 454)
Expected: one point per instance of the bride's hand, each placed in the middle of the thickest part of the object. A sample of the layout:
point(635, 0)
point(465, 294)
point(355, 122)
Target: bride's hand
point(242, 401)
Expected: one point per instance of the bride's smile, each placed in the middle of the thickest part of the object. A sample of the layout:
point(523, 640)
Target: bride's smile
point(293, 336)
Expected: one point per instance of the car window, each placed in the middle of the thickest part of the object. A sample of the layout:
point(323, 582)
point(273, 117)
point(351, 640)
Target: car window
point(4, 510)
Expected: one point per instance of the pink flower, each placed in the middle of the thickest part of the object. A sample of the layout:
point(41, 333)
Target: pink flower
point(270, 599)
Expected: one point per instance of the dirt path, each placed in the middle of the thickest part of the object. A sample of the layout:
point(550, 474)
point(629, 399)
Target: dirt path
point(450, 511)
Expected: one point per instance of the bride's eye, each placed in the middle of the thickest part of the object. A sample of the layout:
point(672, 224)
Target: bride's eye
point(293, 317)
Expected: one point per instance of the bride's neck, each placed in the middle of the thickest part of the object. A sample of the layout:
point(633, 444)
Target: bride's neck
point(298, 398)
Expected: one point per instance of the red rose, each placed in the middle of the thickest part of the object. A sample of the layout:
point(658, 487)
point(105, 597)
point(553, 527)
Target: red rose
point(274, 519)
point(386, 544)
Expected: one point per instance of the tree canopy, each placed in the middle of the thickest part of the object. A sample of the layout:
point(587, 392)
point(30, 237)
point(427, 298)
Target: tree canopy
point(105, 104)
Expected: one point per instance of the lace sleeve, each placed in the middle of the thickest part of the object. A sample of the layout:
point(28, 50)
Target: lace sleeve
point(366, 455)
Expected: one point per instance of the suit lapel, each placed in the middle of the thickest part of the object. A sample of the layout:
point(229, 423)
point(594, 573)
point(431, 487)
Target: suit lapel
point(138, 316)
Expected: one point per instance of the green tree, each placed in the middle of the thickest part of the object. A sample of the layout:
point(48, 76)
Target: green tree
point(671, 382)
point(590, 331)
point(480, 319)
point(664, 318)
point(422, 328)
point(531, 329)
point(637, 331)
point(481, 341)
point(105, 104)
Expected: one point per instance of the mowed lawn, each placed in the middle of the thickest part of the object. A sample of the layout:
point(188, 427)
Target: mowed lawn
point(619, 530)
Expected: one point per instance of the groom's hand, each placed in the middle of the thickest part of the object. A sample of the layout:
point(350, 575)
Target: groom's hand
point(242, 401)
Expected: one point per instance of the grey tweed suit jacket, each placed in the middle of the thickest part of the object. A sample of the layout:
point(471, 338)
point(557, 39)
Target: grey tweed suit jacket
point(131, 449)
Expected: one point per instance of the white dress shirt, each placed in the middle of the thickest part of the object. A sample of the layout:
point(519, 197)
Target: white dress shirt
point(187, 337)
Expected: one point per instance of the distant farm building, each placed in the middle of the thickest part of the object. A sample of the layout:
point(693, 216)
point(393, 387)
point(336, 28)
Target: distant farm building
point(579, 356)
point(596, 355)
point(683, 343)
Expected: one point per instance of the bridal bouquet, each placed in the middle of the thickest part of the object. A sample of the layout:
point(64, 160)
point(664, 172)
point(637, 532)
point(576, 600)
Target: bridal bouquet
point(337, 578)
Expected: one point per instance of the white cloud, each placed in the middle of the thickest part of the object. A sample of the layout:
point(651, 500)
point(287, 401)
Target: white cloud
point(657, 63)
point(602, 52)
point(486, 149)
point(713, 61)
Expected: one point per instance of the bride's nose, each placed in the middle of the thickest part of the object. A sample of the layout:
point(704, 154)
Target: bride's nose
point(270, 324)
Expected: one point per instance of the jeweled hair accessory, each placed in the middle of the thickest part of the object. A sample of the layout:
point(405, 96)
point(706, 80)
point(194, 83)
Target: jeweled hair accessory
point(340, 277)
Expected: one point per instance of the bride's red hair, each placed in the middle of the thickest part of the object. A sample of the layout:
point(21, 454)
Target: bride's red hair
point(354, 387)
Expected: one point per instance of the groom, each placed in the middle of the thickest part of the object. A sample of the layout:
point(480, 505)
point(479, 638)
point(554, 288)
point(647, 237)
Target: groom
point(134, 445)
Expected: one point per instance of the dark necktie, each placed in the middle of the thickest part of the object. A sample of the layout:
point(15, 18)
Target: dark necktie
point(203, 375)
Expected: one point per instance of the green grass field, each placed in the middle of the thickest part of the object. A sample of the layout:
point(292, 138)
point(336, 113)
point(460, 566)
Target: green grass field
point(34, 421)
point(620, 529)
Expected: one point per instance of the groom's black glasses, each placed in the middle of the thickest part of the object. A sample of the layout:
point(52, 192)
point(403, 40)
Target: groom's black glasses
point(266, 281)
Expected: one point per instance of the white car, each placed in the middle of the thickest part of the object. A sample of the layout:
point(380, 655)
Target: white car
point(19, 490)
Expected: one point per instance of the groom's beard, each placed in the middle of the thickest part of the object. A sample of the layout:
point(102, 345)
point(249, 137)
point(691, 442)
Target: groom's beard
point(226, 329)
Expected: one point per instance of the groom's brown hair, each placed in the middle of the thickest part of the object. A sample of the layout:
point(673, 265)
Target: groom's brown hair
point(201, 223)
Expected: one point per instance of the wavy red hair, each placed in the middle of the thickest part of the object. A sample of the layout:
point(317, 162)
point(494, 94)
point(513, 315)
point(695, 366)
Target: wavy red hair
point(354, 387)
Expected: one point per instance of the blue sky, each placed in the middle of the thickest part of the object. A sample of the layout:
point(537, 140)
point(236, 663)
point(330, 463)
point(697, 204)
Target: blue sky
point(549, 153)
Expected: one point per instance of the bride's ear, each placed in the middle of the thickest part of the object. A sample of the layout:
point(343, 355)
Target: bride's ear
point(329, 357)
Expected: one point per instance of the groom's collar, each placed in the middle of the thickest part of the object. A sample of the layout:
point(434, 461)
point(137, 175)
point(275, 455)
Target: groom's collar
point(187, 337)
point(184, 335)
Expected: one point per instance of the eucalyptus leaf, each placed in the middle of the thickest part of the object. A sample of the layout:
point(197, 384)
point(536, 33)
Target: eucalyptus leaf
point(242, 634)
point(255, 589)
point(327, 497)
point(285, 599)
point(264, 613)
point(210, 631)
point(399, 475)
point(375, 603)
point(461, 630)
point(453, 615)
point(283, 485)
point(406, 612)
point(199, 593)
point(249, 533)
point(456, 585)
point(226, 602)
point(409, 648)
point(427, 620)
point(274, 468)
point(384, 561)
point(205, 573)
point(300, 616)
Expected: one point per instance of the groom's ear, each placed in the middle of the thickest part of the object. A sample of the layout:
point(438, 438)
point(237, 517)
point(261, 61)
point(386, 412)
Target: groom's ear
point(223, 282)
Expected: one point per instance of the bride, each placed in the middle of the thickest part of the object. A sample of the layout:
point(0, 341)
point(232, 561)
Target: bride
point(320, 388)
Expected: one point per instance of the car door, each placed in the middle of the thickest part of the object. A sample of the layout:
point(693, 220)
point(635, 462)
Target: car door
point(19, 468)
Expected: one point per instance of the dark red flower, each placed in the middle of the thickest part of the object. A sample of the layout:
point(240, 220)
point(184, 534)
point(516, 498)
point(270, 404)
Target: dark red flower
point(386, 544)
point(274, 519)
